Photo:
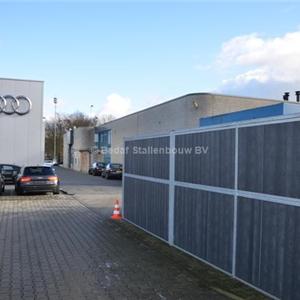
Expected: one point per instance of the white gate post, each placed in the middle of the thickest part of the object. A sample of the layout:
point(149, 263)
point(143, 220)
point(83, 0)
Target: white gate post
point(236, 170)
point(171, 188)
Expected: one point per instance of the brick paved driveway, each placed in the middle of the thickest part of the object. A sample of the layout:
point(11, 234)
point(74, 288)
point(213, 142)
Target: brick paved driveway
point(53, 247)
point(95, 192)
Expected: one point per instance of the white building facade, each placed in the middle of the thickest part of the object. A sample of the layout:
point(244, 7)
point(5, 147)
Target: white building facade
point(22, 133)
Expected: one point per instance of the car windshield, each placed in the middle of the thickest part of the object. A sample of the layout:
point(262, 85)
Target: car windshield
point(100, 164)
point(116, 166)
point(38, 171)
point(9, 168)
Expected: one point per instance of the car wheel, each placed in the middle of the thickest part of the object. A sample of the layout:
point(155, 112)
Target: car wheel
point(106, 176)
point(56, 192)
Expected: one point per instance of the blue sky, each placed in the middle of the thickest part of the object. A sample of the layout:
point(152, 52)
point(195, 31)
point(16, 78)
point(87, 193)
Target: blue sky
point(122, 57)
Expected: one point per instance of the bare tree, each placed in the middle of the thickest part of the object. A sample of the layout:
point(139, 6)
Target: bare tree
point(104, 119)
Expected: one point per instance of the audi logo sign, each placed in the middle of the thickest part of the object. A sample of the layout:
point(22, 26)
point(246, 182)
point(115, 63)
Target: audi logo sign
point(19, 105)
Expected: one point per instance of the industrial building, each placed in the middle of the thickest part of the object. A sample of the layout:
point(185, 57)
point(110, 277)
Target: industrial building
point(21, 122)
point(105, 142)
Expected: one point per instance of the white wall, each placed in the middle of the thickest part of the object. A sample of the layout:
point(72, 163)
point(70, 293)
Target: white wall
point(22, 137)
point(83, 138)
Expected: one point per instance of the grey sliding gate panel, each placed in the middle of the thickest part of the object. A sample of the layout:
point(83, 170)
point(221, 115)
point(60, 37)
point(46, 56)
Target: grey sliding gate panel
point(268, 247)
point(236, 205)
point(214, 168)
point(269, 159)
point(146, 204)
point(142, 159)
point(248, 240)
point(204, 225)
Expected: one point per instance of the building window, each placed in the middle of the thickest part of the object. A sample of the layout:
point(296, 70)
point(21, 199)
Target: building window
point(104, 144)
point(104, 139)
point(96, 140)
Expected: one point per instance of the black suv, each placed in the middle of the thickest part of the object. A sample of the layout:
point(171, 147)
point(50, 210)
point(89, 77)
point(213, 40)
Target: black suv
point(113, 170)
point(2, 184)
point(9, 173)
point(97, 168)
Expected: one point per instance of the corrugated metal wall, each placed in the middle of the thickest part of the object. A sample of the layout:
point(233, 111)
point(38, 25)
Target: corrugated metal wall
point(139, 159)
point(268, 247)
point(269, 159)
point(235, 206)
point(147, 205)
point(215, 168)
point(204, 225)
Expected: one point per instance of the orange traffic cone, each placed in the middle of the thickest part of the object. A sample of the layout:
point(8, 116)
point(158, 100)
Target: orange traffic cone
point(116, 213)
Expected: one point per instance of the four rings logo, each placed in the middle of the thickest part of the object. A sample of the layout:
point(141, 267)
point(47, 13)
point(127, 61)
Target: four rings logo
point(19, 105)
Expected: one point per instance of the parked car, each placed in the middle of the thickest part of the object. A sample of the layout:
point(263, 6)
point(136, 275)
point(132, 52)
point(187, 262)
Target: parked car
point(9, 172)
point(33, 179)
point(2, 184)
point(97, 168)
point(112, 170)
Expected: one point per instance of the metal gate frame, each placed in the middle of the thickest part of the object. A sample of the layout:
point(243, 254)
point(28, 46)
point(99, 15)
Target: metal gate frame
point(235, 192)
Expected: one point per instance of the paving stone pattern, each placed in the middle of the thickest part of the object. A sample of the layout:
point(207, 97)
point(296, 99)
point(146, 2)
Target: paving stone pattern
point(53, 247)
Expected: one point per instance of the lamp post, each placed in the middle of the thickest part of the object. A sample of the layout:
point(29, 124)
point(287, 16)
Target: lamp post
point(54, 142)
point(91, 110)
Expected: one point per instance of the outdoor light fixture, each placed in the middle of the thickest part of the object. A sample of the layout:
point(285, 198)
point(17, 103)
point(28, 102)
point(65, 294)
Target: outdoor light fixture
point(195, 104)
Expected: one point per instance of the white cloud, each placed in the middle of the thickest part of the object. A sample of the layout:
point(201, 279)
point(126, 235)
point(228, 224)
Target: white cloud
point(116, 105)
point(259, 60)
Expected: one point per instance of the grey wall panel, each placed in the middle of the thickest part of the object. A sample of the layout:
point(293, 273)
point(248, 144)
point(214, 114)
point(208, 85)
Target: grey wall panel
point(269, 159)
point(146, 204)
point(216, 168)
point(204, 225)
point(268, 247)
point(268, 234)
point(150, 163)
point(248, 240)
